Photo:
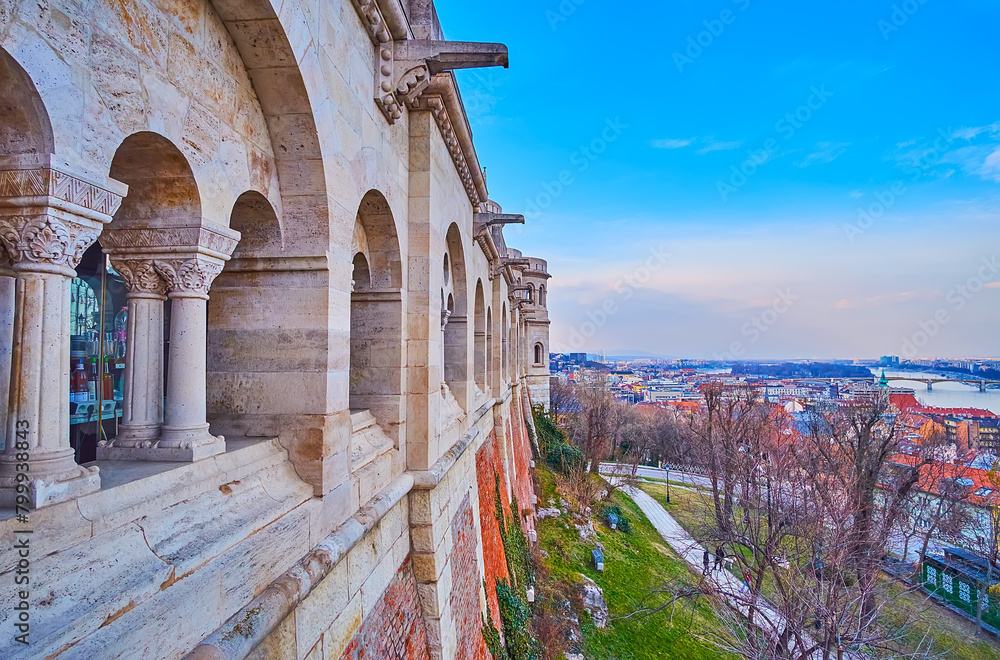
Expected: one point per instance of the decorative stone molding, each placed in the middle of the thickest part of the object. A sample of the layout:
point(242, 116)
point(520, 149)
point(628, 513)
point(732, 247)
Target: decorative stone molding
point(140, 276)
point(404, 66)
point(49, 182)
point(46, 239)
point(206, 238)
point(191, 275)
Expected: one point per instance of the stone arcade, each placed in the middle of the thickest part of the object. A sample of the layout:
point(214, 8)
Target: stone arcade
point(265, 343)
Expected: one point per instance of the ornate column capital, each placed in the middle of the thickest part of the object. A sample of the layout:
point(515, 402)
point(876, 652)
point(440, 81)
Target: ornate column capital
point(188, 276)
point(47, 242)
point(140, 275)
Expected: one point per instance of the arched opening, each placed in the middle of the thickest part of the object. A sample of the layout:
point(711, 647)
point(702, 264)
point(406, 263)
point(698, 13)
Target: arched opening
point(531, 295)
point(162, 189)
point(25, 132)
point(491, 373)
point(259, 227)
point(479, 347)
point(155, 246)
point(455, 357)
point(504, 348)
point(249, 341)
point(539, 355)
point(541, 295)
point(376, 349)
point(25, 129)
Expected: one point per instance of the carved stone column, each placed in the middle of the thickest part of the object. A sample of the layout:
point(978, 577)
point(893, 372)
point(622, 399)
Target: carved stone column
point(7, 286)
point(45, 245)
point(142, 414)
point(185, 433)
point(182, 260)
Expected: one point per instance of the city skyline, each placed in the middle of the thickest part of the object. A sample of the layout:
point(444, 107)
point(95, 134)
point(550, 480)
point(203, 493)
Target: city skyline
point(787, 181)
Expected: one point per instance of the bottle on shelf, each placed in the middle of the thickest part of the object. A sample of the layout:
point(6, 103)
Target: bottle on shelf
point(108, 383)
point(92, 381)
point(78, 384)
point(121, 325)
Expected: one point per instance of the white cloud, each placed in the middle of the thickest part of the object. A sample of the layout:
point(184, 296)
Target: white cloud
point(672, 143)
point(709, 144)
point(715, 145)
point(824, 152)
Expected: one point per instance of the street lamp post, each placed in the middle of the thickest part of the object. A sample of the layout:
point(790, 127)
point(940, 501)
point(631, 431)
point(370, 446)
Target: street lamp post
point(667, 467)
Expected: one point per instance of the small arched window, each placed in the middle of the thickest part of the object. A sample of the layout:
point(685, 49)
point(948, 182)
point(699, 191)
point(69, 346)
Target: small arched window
point(541, 295)
point(539, 354)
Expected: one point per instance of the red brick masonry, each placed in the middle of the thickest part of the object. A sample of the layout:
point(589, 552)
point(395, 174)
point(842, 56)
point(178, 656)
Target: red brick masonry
point(465, 586)
point(394, 630)
point(489, 463)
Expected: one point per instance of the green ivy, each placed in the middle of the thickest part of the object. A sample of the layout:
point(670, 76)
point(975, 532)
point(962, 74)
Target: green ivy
point(492, 636)
point(514, 615)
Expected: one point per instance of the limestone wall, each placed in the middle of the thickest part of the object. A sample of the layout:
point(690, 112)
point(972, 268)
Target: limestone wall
point(345, 517)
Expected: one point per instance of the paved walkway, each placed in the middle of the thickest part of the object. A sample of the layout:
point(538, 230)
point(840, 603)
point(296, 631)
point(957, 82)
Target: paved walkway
point(725, 583)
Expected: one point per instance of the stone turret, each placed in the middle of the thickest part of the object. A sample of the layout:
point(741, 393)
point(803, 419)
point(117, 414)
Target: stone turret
point(536, 330)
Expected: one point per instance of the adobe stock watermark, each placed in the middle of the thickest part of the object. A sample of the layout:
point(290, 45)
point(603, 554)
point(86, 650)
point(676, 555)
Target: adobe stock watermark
point(786, 128)
point(698, 43)
point(562, 12)
point(581, 160)
point(957, 298)
point(759, 324)
point(900, 16)
point(887, 197)
point(625, 289)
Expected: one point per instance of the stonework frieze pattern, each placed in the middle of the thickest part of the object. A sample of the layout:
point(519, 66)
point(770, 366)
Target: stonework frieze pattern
point(48, 182)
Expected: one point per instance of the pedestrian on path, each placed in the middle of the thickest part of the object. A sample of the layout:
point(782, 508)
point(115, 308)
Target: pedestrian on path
point(704, 560)
point(720, 556)
point(746, 580)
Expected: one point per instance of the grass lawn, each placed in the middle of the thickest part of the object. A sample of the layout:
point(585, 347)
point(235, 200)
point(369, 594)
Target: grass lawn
point(635, 564)
point(955, 637)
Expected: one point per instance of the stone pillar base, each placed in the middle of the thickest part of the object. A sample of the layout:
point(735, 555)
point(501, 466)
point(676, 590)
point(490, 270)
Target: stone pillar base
point(174, 445)
point(51, 489)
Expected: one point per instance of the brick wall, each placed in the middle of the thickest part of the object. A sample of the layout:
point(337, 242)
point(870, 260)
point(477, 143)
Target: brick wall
point(394, 629)
point(521, 444)
point(488, 463)
point(464, 597)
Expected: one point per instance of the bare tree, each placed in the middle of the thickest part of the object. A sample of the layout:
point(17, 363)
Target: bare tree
point(986, 528)
point(599, 425)
point(806, 514)
point(562, 400)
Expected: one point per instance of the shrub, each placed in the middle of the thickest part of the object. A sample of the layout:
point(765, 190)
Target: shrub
point(565, 459)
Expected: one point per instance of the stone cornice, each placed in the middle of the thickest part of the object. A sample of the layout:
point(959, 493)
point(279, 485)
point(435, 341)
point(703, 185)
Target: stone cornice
point(442, 99)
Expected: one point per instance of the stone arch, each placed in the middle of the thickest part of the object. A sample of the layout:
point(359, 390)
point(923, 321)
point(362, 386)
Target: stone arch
point(376, 347)
point(26, 140)
point(531, 294)
point(504, 346)
point(258, 224)
point(162, 188)
point(539, 354)
point(273, 68)
point(456, 329)
point(479, 346)
point(25, 128)
point(491, 372)
point(541, 295)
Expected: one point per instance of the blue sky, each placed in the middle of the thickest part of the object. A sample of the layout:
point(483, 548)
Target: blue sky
point(749, 179)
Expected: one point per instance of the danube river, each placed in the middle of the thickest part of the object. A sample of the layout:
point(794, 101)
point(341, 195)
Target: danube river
point(945, 395)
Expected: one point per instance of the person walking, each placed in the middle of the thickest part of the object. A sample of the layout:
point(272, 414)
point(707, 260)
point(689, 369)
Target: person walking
point(747, 579)
point(704, 560)
point(720, 556)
